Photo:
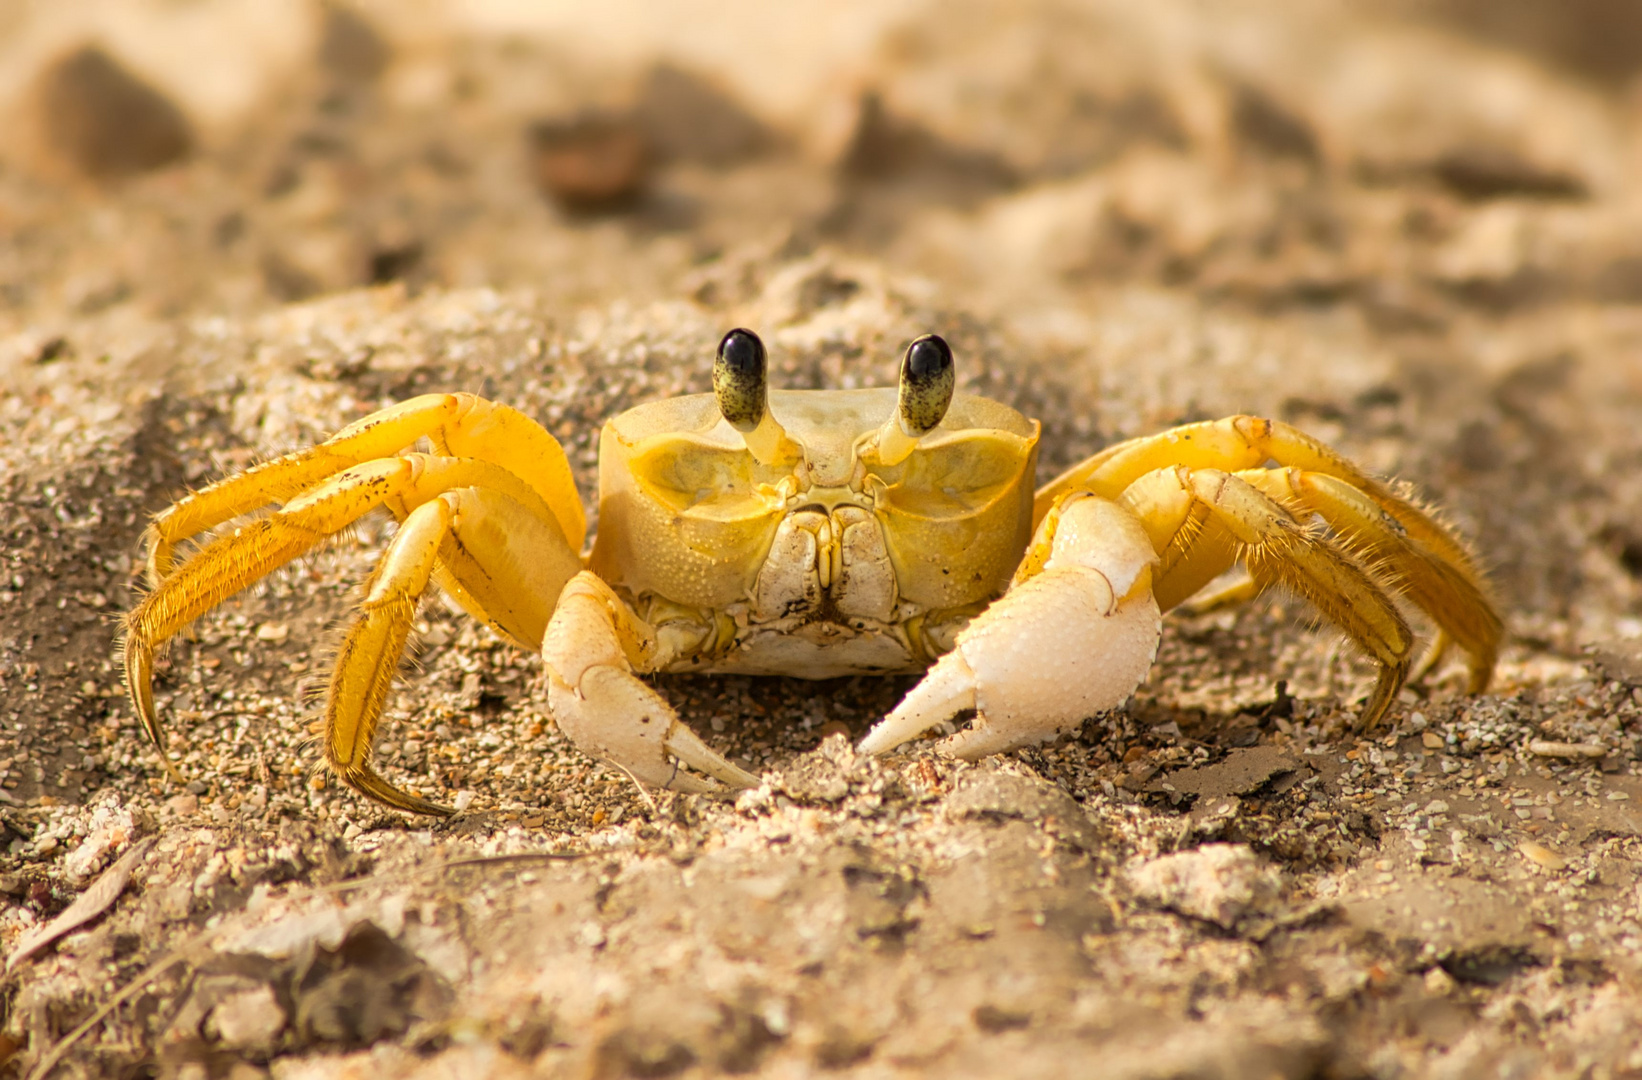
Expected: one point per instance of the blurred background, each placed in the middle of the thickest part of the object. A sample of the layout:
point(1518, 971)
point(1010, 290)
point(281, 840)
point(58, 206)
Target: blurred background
point(187, 156)
point(1422, 222)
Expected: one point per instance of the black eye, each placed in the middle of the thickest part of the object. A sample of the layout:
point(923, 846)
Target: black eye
point(741, 379)
point(927, 381)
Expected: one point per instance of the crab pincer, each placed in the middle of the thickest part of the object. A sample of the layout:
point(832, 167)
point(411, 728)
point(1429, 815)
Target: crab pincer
point(1074, 635)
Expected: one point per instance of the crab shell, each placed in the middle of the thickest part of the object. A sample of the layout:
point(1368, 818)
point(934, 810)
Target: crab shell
point(828, 561)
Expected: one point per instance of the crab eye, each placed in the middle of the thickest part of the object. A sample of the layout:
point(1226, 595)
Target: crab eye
point(927, 380)
point(741, 379)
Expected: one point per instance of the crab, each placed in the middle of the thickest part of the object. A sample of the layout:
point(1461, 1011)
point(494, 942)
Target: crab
point(814, 534)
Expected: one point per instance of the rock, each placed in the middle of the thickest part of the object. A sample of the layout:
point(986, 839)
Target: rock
point(111, 826)
point(350, 48)
point(1479, 933)
point(1620, 660)
point(1218, 883)
point(888, 147)
point(284, 933)
point(273, 633)
point(185, 804)
point(595, 163)
point(104, 121)
point(998, 796)
point(1542, 856)
point(249, 1020)
point(1243, 772)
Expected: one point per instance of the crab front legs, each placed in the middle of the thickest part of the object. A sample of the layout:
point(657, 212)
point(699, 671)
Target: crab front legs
point(1074, 635)
point(594, 644)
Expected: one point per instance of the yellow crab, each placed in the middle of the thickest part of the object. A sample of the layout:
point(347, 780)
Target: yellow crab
point(815, 534)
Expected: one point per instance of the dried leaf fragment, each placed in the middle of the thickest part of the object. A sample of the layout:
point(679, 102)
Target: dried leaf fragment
point(97, 898)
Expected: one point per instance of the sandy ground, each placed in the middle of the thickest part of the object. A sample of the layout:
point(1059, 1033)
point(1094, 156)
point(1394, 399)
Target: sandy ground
point(229, 228)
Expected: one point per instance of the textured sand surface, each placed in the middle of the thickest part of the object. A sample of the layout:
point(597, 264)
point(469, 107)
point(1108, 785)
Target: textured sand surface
point(1418, 236)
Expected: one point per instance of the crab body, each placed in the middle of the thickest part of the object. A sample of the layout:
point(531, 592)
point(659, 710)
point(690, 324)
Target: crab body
point(833, 563)
point(814, 534)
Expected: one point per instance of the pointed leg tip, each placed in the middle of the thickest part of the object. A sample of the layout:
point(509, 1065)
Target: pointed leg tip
point(369, 783)
point(1392, 679)
point(1481, 675)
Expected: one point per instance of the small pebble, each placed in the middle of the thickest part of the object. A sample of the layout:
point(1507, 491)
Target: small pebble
point(1438, 982)
point(273, 632)
point(835, 727)
point(185, 805)
point(1572, 751)
point(1542, 855)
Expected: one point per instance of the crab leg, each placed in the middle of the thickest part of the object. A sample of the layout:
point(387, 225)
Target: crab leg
point(1074, 635)
point(458, 425)
point(514, 565)
point(1202, 549)
point(1277, 549)
point(1452, 598)
point(594, 644)
point(369, 656)
point(231, 562)
point(1419, 553)
point(1246, 442)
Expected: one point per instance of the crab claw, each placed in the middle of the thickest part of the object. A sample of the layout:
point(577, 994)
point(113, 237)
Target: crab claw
point(613, 716)
point(1069, 642)
point(605, 709)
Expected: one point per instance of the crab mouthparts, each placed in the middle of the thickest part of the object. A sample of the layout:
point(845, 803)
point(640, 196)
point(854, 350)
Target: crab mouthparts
point(827, 562)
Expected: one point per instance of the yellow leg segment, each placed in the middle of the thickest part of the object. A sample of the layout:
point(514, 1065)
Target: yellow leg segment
point(1443, 589)
point(231, 562)
point(369, 657)
point(1210, 444)
point(506, 566)
point(1434, 653)
point(460, 425)
point(1238, 592)
point(1194, 546)
point(489, 540)
point(1277, 549)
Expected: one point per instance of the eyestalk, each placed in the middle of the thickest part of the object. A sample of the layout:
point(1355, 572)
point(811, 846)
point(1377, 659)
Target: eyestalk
point(928, 378)
point(741, 385)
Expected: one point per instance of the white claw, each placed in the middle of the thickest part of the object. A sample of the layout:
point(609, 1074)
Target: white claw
point(614, 716)
point(945, 691)
point(685, 745)
point(604, 709)
point(1056, 649)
